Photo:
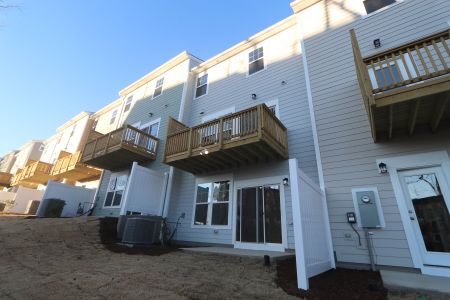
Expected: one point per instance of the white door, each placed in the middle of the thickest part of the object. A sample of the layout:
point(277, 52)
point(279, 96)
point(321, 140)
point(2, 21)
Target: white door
point(427, 196)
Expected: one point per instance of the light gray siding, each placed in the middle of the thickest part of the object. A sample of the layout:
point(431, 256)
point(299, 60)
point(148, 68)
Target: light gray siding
point(229, 86)
point(346, 147)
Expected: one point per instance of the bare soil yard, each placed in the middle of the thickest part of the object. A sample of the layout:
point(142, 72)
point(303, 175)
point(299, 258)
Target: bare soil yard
point(65, 259)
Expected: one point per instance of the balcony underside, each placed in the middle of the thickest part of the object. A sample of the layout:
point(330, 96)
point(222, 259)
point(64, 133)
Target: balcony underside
point(233, 154)
point(36, 179)
point(80, 172)
point(430, 112)
point(118, 158)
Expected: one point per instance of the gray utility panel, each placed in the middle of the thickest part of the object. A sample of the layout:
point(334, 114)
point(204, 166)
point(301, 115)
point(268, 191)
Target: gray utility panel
point(368, 211)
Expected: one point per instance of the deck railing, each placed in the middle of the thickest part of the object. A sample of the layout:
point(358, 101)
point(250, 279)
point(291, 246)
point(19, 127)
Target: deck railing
point(65, 163)
point(32, 169)
point(229, 129)
point(416, 61)
point(125, 136)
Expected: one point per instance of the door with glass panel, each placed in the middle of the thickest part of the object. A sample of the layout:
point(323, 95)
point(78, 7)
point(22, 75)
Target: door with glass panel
point(427, 197)
point(258, 216)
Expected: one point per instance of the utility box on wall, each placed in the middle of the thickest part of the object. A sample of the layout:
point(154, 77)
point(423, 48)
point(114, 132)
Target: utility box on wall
point(368, 207)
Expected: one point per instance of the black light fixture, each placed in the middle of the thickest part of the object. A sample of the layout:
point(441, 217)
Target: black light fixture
point(377, 43)
point(254, 96)
point(285, 181)
point(382, 168)
point(150, 114)
point(202, 112)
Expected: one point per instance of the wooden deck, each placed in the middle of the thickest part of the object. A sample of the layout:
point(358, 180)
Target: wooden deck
point(120, 148)
point(247, 137)
point(5, 179)
point(33, 174)
point(68, 166)
point(407, 86)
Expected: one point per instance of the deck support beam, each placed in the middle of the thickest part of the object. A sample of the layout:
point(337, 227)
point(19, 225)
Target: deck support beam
point(439, 112)
point(413, 116)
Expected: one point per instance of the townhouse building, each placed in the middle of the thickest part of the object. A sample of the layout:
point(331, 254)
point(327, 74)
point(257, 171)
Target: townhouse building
point(29, 153)
point(378, 78)
point(129, 140)
point(6, 164)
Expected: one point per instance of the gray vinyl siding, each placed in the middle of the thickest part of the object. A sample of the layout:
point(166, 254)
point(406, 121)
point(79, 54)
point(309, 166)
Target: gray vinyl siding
point(228, 88)
point(347, 150)
point(164, 106)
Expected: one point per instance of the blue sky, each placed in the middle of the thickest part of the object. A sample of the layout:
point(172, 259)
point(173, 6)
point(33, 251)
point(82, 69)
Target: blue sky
point(58, 58)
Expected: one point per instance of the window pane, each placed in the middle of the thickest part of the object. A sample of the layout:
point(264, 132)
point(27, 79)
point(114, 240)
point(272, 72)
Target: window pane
point(272, 216)
point(374, 5)
point(431, 211)
point(117, 198)
point(220, 214)
point(201, 212)
point(201, 90)
point(202, 193)
point(109, 197)
point(256, 66)
point(157, 92)
point(389, 80)
point(221, 191)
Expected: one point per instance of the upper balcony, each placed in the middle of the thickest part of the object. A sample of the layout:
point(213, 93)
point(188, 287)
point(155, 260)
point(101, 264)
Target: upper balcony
point(407, 86)
point(250, 136)
point(120, 148)
point(35, 173)
point(68, 166)
point(5, 179)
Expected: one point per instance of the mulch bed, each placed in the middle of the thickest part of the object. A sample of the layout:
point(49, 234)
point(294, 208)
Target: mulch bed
point(108, 236)
point(334, 284)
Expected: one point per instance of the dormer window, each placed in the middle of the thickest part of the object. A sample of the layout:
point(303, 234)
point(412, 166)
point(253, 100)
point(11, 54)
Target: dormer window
point(374, 5)
point(128, 103)
point(158, 88)
point(202, 86)
point(256, 61)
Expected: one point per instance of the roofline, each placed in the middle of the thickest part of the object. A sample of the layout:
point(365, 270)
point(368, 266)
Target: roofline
point(75, 119)
point(183, 56)
point(107, 108)
point(251, 41)
point(299, 5)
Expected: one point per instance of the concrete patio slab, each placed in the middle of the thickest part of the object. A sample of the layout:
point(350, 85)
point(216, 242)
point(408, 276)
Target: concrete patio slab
point(415, 281)
point(274, 255)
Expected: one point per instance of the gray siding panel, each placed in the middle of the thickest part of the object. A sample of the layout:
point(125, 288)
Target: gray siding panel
point(347, 149)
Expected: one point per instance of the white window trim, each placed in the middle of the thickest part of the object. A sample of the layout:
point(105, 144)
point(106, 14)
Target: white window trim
point(126, 103)
point(397, 2)
point(274, 102)
point(151, 123)
point(113, 116)
point(415, 161)
point(156, 86)
point(207, 86)
point(117, 175)
point(248, 64)
point(211, 179)
point(258, 182)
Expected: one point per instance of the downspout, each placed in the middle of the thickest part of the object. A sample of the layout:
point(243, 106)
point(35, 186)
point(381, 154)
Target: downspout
point(168, 194)
point(315, 139)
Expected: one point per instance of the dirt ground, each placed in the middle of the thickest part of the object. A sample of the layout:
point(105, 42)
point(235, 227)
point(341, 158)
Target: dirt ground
point(64, 258)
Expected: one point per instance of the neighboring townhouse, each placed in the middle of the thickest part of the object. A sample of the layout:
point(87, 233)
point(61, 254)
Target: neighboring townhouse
point(60, 157)
point(6, 164)
point(379, 81)
point(246, 114)
point(29, 153)
point(131, 130)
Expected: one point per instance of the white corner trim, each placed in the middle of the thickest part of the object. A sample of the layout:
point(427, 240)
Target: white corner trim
point(316, 141)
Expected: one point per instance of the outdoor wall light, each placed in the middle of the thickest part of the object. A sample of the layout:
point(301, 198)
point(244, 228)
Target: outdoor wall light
point(254, 96)
point(150, 114)
point(377, 43)
point(284, 82)
point(202, 112)
point(382, 168)
point(166, 105)
point(204, 152)
point(285, 181)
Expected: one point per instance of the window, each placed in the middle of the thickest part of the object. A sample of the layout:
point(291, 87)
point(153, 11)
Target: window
point(128, 104)
point(374, 5)
point(212, 203)
point(94, 124)
point(73, 130)
point(381, 77)
point(113, 117)
point(202, 86)
point(255, 61)
point(152, 129)
point(158, 88)
point(115, 190)
point(41, 148)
